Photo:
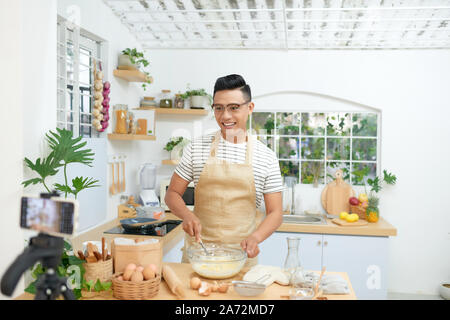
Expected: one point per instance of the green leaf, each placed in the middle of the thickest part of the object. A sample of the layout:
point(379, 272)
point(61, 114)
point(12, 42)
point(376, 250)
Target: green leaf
point(106, 285)
point(98, 286)
point(77, 293)
point(31, 288)
point(44, 168)
point(375, 184)
point(75, 260)
point(63, 188)
point(80, 183)
point(32, 181)
point(389, 178)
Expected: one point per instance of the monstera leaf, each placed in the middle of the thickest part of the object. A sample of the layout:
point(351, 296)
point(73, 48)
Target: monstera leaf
point(80, 183)
point(67, 149)
point(44, 168)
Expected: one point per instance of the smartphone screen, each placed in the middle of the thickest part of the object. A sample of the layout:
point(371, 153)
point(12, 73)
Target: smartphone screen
point(47, 215)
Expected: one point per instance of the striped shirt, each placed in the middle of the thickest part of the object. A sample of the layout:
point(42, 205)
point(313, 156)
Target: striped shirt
point(266, 168)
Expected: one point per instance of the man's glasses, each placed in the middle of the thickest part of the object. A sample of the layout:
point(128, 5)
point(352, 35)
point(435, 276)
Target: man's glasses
point(232, 107)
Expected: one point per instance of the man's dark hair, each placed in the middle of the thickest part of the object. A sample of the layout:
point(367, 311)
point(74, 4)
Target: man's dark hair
point(233, 81)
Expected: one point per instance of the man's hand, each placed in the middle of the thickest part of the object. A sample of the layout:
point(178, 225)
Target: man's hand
point(250, 245)
point(192, 226)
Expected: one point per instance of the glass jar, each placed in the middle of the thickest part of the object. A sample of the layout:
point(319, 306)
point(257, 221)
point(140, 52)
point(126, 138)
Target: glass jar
point(131, 123)
point(148, 102)
point(179, 101)
point(292, 263)
point(165, 101)
point(120, 118)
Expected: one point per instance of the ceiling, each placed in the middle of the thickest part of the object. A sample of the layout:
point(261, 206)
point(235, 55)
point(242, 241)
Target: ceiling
point(286, 24)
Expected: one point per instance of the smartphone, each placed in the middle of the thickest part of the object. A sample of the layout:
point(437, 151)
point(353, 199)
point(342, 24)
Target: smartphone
point(55, 216)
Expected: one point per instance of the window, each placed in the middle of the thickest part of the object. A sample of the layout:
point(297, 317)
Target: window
point(76, 50)
point(312, 146)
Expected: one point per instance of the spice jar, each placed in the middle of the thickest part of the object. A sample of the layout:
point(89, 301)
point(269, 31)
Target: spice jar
point(179, 101)
point(148, 102)
point(131, 123)
point(120, 118)
point(165, 101)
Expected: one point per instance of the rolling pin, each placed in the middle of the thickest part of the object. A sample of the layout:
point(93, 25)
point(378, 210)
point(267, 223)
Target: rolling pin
point(172, 281)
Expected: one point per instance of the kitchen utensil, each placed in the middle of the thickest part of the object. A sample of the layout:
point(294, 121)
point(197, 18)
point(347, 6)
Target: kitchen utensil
point(344, 223)
point(173, 282)
point(112, 188)
point(136, 223)
point(316, 288)
point(250, 288)
point(336, 194)
point(98, 256)
point(224, 262)
point(81, 255)
point(301, 294)
point(103, 249)
point(292, 263)
point(91, 259)
point(123, 173)
point(147, 181)
point(204, 248)
point(118, 186)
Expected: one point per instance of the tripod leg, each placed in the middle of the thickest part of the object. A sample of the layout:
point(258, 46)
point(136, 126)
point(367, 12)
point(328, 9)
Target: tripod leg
point(67, 293)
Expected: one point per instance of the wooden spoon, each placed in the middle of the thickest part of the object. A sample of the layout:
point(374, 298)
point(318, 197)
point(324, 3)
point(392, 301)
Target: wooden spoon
point(112, 188)
point(316, 289)
point(118, 178)
point(123, 176)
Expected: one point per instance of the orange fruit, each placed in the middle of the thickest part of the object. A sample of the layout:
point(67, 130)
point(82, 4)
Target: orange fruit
point(372, 216)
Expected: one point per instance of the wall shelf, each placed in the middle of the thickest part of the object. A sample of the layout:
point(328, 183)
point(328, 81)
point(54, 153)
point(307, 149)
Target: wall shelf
point(127, 137)
point(198, 112)
point(171, 162)
point(131, 75)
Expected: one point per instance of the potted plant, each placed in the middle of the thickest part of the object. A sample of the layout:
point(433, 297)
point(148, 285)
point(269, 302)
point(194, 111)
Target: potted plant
point(64, 150)
point(197, 98)
point(135, 59)
point(175, 147)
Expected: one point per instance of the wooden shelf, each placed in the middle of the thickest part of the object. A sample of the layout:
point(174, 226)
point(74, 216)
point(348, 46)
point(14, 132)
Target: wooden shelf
point(131, 75)
point(171, 162)
point(199, 112)
point(115, 136)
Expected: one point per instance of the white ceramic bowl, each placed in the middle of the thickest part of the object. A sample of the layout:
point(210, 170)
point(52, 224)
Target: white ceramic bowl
point(445, 291)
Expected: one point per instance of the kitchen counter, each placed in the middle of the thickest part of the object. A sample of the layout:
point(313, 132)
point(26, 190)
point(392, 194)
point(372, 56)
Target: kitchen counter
point(184, 272)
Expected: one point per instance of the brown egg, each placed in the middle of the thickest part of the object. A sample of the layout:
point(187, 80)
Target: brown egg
point(127, 274)
point(154, 267)
point(215, 287)
point(137, 277)
point(223, 288)
point(130, 266)
point(195, 283)
point(148, 273)
point(140, 268)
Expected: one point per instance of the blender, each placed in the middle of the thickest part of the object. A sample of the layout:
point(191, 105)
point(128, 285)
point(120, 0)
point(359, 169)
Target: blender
point(147, 180)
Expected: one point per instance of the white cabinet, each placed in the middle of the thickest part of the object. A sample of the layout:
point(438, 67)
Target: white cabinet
point(363, 258)
point(274, 250)
point(175, 254)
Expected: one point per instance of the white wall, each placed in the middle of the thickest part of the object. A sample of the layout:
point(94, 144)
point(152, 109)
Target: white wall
point(409, 87)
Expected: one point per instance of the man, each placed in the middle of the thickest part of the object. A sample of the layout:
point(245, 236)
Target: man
point(231, 171)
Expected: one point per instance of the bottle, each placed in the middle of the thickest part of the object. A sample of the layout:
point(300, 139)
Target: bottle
point(120, 117)
point(292, 264)
point(179, 101)
point(165, 101)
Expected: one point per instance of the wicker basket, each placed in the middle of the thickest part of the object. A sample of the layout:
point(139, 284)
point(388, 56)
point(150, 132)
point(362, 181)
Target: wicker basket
point(102, 270)
point(127, 290)
point(361, 212)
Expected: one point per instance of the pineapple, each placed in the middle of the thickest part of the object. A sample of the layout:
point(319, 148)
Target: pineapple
point(372, 210)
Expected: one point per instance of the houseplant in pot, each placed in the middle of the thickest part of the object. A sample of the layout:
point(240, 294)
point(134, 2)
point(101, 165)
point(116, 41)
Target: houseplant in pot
point(175, 147)
point(133, 59)
point(197, 98)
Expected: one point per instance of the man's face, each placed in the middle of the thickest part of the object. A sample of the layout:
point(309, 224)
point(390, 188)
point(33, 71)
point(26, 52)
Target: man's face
point(232, 121)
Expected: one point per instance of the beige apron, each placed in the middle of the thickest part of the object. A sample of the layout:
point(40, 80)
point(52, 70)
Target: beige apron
point(225, 201)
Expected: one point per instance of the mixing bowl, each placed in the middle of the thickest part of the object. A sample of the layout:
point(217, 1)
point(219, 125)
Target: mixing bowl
point(222, 261)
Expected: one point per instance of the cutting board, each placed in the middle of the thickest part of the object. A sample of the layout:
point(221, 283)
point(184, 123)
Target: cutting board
point(336, 194)
point(344, 223)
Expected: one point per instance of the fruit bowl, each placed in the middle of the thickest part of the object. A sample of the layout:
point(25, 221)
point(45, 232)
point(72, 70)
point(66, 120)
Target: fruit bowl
point(221, 263)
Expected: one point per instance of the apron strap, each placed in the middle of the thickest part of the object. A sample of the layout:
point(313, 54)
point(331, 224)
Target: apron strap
point(249, 151)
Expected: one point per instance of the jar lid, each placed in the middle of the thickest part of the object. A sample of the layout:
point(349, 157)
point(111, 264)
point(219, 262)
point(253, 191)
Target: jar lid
point(149, 98)
point(166, 91)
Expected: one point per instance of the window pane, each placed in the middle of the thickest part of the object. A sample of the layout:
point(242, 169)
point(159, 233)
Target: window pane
point(287, 148)
point(289, 168)
point(338, 149)
point(69, 61)
point(362, 171)
point(288, 123)
point(338, 124)
point(85, 131)
point(263, 121)
point(364, 149)
point(312, 171)
point(365, 124)
point(313, 124)
point(85, 72)
point(313, 148)
point(268, 141)
point(332, 167)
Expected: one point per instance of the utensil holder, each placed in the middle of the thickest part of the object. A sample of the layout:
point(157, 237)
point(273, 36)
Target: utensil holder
point(128, 290)
point(102, 270)
point(361, 212)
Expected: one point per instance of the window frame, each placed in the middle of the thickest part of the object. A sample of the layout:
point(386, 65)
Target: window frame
point(325, 136)
point(70, 92)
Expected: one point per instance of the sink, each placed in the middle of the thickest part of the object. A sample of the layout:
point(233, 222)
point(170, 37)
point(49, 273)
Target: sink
point(297, 219)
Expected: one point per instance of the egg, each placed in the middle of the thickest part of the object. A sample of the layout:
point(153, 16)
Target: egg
point(215, 287)
point(154, 267)
point(205, 289)
point(137, 276)
point(120, 278)
point(223, 288)
point(131, 266)
point(140, 268)
point(148, 273)
point(127, 274)
point(195, 283)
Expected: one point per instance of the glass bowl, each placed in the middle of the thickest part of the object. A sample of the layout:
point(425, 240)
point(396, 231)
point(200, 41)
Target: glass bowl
point(221, 263)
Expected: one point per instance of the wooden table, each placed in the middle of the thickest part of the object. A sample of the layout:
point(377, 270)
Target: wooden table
point(184, 271)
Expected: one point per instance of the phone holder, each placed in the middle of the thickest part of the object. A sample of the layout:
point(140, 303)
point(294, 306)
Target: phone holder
point(47, 249)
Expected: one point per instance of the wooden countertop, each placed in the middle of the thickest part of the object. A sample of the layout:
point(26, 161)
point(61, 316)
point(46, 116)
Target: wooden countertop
point(382, 228)
point(184, 272)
